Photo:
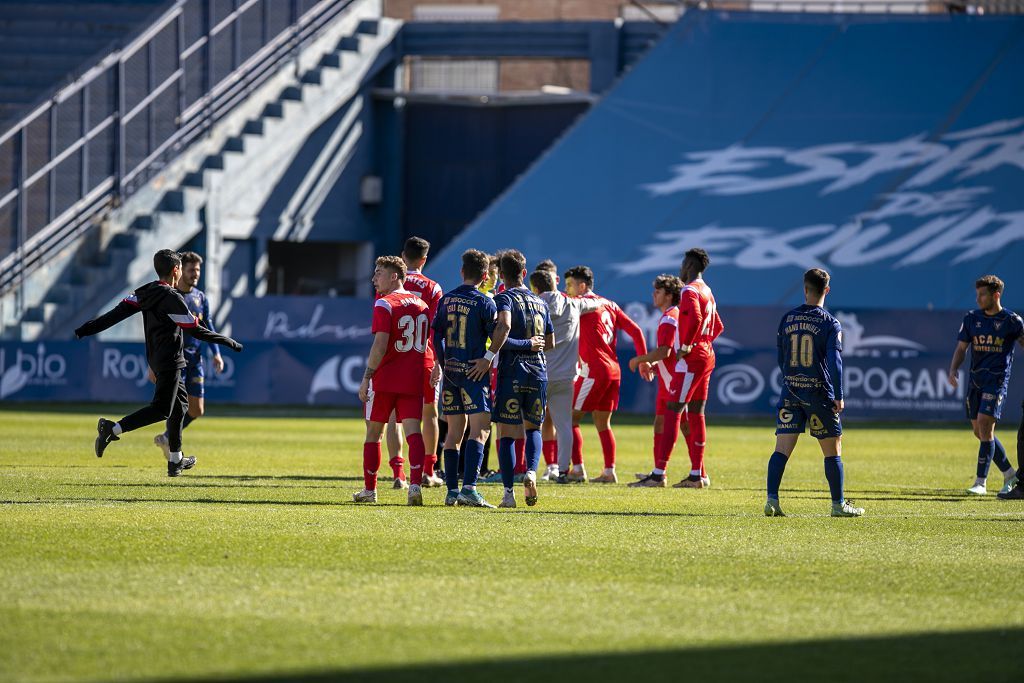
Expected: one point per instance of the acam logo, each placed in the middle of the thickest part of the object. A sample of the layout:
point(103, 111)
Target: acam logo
point(338, 373)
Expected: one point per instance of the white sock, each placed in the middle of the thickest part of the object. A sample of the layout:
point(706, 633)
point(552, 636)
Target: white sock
point(657, 471)
point(470, 488)
point(508, 490)
point(117, 429)
point(609, 470)
point(1009, 474)
point(980, 482)
point(577, 468)
point(694, 473)
point(174, 457)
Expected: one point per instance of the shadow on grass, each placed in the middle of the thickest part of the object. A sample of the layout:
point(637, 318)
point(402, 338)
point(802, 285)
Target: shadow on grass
point(275, 477)
point(961, 656)
point(200, 501)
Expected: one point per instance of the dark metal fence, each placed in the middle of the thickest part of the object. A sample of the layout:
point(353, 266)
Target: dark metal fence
point(96, 141)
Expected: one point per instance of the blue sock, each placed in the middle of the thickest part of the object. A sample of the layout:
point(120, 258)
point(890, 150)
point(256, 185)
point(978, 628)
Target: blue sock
point(986, 450)
point(534, 449)
point(834, 475)
point(507, 461)
point(451, 468)
point(471, 467)
point(999, 457)
point(776, 468)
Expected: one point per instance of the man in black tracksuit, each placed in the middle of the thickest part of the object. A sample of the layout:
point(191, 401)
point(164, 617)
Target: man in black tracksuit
point(165, 316)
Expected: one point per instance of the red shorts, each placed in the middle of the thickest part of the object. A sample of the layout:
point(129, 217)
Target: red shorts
point(665, 397)
point(692, 379)
point(429, 392)
point(590, 394)
point(383, 403)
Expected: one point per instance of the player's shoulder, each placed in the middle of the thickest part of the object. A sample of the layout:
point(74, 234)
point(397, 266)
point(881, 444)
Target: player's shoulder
point(670, 317)
point(1015, 317)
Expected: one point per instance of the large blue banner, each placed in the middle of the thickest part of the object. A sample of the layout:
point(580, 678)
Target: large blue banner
point(903, 183)
point(895, 368)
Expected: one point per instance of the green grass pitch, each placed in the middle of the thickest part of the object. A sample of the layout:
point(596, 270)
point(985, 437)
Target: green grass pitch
point(256, 566)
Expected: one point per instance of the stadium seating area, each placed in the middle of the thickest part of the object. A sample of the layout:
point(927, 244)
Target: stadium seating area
point(43, 42)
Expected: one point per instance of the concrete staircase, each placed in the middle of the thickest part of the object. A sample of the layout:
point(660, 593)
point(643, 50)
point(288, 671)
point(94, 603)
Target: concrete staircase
point(236, 166)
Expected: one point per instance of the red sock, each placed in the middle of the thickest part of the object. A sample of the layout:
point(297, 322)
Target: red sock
point(398, 467)
point(698, 437)
point(577, 445)
point(550, 452)
point(668, 439)
point(428, 463)
point(657, 448)
point(371, 463)
point(520, 456)
point(417, 453)
point(608, 448)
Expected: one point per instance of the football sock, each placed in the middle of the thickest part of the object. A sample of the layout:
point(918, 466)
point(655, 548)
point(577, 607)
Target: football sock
point(698, 437)
point(471, 467)
point(520, 456)
point(608, 448)
point(532, 447)
point(986, 449)
point(550, 452)
point(397, 466)
point(428, 462)
point(174, 457)
point(451, 468)
point(117, 429)
point(658, 471)
point(371, 463)
point(834, 475)
point(1001, 461)
point(657, 448)
point(668, 440)
point(417, 453)
point(507, 461)
point(577, 445)
point(776, 468)
point(187, 420)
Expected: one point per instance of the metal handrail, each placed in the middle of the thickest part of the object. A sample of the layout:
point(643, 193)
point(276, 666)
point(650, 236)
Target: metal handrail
point(307, 19)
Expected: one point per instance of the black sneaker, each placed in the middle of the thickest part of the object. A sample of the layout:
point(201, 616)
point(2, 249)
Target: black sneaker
point(562, 479)
point(104, 435)
point(1016, 493)
point(187, 462)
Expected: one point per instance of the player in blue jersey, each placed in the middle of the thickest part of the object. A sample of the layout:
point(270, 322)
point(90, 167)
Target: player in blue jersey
point(810, 344)
point(194, 373)
point(990, 332)
point(464, 321)
point(523, 332)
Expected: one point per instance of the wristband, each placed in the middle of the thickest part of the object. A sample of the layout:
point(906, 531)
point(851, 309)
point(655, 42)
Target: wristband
point(489, 356)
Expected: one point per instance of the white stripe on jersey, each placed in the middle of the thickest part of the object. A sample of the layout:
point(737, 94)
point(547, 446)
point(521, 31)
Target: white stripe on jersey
point(184, 320)
point(383, 304)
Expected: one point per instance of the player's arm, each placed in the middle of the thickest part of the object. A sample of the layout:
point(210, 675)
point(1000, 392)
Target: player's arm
point(377, 351)
point(690, 321)
point(834, 364)
point(122, 311)
point(438, 332)
point(959, 353)
point(203, 334)
point(549, 333)
point(218, 361)
point(498, 338)
point(588, 305)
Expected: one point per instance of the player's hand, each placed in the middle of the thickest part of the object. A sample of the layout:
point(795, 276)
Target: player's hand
point(634, 363)
point(481, 366)
point(364, 390)
point(537, 343)
point(647, 371)
point(218, 364)
point(150, 375)
point(838, 406)
point(435, 375)
point(684, 349)
point(954, 379)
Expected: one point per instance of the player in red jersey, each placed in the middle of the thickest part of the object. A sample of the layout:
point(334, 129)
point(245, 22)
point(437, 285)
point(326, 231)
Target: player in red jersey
point(597, 387)
point(699, 326)
point(415, 256)
point(667, 289)
point(393, 381)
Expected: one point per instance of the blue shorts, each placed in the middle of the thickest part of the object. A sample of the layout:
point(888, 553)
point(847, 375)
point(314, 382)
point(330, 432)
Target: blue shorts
point(522, 394)
point(794, 416)
point(195, 378)
point(984, 401)
point(465, 397)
